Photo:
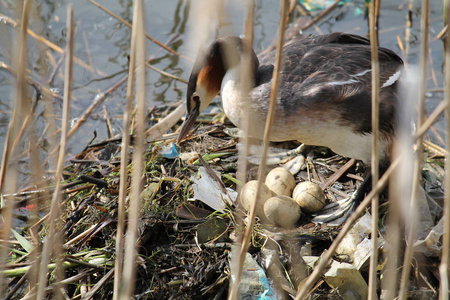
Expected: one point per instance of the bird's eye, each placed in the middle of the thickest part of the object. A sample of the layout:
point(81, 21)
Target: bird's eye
point(195, 101)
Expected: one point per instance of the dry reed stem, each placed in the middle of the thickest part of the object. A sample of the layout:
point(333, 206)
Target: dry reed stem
point(408, 28)
point(163, 125)
point(88, 51)
point(146, 35)
point(129, 268)
point(52, 241)
point(266, 139)
point(38, 181)
point(81, 235)
point(124, 156)
point(55, 65)
point(20, 97)
point(444, 266)
point(401, 181)
point(321, 15)
point(247, 81)
point(8, 167)
point(98, 285)
point(25, 124)
point(166, 74)
point(409, 251)
point(373, 28)
point(119, 284)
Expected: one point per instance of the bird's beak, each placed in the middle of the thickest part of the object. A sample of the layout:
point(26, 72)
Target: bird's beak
point(189, 122)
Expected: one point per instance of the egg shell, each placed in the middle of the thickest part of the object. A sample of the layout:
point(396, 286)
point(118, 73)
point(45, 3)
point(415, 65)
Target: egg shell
point(280, 181)
point(247, 197)
point(309, 196)
point(282, 211)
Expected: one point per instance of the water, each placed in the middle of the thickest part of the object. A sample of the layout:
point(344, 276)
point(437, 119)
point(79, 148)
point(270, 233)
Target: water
point(102, 42)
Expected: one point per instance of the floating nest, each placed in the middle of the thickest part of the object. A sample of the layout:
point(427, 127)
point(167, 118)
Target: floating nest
point(184, 246)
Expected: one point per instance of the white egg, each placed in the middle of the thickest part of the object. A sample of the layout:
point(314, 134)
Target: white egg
point(282, 211)
point(280, 181)
point(309, 196)
point(247, 197)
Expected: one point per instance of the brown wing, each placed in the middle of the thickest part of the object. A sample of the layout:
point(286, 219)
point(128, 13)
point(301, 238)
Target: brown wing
point(332, 72)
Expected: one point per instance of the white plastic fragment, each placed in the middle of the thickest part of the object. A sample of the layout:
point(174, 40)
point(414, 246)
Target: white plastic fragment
point(360, 230)
point(432, 246)
point(362, 254)
point(207, 190)
point(254, 283)
point(347, 280)
point(310, 260)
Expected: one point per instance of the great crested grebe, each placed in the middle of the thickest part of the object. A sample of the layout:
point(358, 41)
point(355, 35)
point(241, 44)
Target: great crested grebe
point(324, 96)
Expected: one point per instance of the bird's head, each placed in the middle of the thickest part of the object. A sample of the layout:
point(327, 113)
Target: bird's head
point(206, 77)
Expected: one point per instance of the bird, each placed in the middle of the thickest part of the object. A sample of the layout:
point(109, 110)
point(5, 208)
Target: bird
point(324, 96)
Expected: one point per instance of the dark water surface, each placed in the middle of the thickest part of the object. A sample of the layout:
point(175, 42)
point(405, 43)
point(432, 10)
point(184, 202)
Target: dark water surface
point(103, 43)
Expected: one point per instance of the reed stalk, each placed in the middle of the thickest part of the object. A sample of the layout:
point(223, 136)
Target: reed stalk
point(124, 273)
point(247, 83)
point(54, 238)
point(373, 28)
point(444, 266)
point(266, 139)
point(9, 164)
point(418, 162)
point(129, 268)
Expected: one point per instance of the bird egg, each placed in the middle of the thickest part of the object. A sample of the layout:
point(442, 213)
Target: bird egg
point(282, 211)
point(309, 196)
point(247, 197)
point(280, 181)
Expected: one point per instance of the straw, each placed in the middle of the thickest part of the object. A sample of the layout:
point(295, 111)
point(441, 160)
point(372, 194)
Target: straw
point(8, 171)
point(124, 276)
point(52, 241)
point(129, 268)
point(373, 20)
point(409, 251)
point(444, 266)
point(262, 168)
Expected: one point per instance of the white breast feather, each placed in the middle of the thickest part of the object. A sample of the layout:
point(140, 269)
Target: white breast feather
point(231, 95)
point(341, 139)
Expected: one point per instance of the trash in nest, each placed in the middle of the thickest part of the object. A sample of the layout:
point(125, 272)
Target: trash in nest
point(169, 151)
point(347, 280)
point(356, 235)
point(362, 254)
point(342, 276)
point(207, 190)
point(431, 246)
point(254, 283)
